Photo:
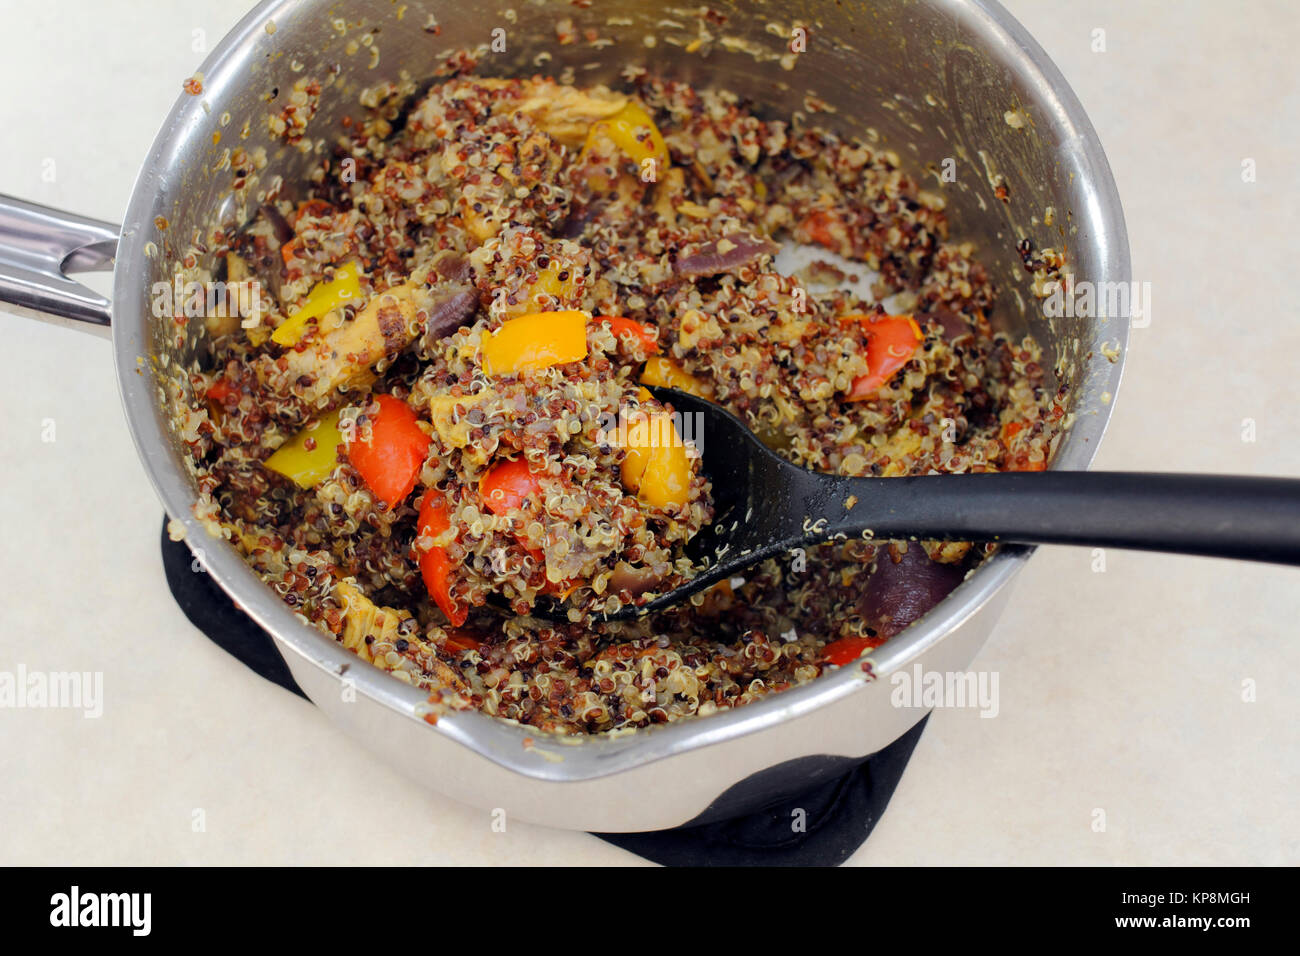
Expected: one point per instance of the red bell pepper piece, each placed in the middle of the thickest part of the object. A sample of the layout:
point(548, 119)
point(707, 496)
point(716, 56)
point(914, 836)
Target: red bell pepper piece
point(435, 566)
point(461, 641)
point(821, 226)
point(1020, 462)
point(390, 463)
point(221, 391)
point(846, 650)
point(891, 343)
point(289, 251)
point(646, 334)
point(508, 486)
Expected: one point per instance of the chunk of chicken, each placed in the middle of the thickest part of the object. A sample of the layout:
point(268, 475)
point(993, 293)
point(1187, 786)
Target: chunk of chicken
point(373, 633)
point(565, 112)
point(362, 619)
point(343, 355)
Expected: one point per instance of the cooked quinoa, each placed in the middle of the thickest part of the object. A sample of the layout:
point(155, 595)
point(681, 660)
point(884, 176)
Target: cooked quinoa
point(456, 222)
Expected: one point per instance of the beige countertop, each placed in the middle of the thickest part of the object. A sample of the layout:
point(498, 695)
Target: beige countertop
point(1120, 691)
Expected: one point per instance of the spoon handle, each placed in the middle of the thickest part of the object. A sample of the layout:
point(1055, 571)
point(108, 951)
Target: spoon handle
point(1255, 519)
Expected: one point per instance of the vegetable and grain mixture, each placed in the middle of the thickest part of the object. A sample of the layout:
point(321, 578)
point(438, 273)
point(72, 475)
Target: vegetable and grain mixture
point(437, 417)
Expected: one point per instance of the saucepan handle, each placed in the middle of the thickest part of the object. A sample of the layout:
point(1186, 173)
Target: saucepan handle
point(40, 248)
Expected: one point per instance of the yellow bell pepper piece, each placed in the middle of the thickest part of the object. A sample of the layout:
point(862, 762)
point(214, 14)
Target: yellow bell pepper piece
point(536, 341)
point(665, 373)
point(549, 283)
point(655, 463)
point(308, 467)
point(548, 292)
point(633, 131)
point(345, 287)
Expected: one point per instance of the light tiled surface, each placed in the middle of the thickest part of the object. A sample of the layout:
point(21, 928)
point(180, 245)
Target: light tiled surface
point(1120, 691)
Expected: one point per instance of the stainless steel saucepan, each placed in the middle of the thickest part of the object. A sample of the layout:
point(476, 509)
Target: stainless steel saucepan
point(949, 85)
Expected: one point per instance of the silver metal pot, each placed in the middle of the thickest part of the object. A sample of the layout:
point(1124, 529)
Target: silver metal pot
point(955, 80)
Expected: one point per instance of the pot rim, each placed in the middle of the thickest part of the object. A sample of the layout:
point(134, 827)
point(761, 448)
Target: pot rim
point(495, 739)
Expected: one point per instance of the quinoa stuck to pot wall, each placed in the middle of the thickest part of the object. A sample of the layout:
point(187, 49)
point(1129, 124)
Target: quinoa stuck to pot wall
point(434, 415)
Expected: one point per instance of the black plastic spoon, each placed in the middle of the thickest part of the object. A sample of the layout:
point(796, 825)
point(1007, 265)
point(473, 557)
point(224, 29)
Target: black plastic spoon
point(765, 506)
